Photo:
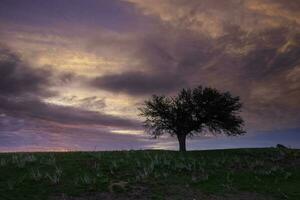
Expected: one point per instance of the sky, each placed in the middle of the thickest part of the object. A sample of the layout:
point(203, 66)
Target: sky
point(74, 72)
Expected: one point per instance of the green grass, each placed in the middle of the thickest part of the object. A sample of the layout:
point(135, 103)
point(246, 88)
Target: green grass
point(151, 174)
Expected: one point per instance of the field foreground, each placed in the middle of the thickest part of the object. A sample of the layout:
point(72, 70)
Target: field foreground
point(235, 174)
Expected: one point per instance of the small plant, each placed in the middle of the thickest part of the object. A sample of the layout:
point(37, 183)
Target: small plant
point(21, 179)
point(14, 159)
point(287, 175)
point(96, 166)
point(256, 164)
point(113, 167)
point(144, 173)
point(87, 180)
point(54, 179)
point(10, 185)
point(36, 174)
point(117, 187)
point(98, 155)
point(58, 171)
point(51, 160)
point(3, 162)
point(138, 164)
point(29, 158)
point(99, 175)
point(165, 174)
point(19, 161)
point(228, 185)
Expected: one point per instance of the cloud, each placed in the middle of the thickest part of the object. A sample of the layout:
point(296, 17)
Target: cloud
point(211, 17)
point(18, 78)
point(138, 83)
point(161, 61)
point(86, 103)
point(23, 90)
point(246, 47)
point(36, 109)
point(284, 11)
point(250, 48)
point(47, 137)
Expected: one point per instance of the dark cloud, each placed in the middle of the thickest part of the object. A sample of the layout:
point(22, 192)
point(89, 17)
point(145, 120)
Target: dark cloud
point(44, 136)
point(22, 89)
point(36, 109)
point(168, 59)
point(66, 78)
point(277, 53)
point(139, 83)
point(10, 123)
point(18, 78)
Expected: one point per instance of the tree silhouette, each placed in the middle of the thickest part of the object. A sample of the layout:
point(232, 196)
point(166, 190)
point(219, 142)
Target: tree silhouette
point(193, 111)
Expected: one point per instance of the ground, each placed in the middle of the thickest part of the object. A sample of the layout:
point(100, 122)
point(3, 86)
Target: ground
point(234, 174)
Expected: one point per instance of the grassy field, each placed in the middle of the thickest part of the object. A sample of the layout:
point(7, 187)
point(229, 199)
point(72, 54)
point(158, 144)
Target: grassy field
point(270, 173)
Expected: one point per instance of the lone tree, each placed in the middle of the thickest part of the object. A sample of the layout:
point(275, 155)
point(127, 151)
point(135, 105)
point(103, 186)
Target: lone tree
point(193, 111)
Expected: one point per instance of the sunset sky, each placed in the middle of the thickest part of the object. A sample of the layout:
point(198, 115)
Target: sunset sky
point(74, 72)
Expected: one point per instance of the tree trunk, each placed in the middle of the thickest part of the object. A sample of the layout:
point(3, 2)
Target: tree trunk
point(181, 140)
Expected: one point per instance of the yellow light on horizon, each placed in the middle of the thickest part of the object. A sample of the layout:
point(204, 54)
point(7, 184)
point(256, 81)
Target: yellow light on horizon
point(128, 132)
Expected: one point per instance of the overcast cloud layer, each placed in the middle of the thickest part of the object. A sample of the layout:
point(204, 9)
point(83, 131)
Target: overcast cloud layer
point(83, 67)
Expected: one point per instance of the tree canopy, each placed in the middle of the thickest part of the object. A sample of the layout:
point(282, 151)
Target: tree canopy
point(193, 111)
